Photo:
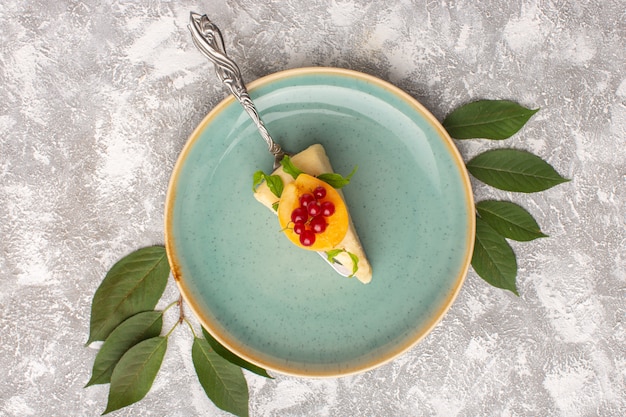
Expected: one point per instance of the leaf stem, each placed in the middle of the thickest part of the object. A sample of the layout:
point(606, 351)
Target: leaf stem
point(181, 311)
point(171, 330)
point(169, 306)
point(181, 315)
point(191, 328)
point(182, 319)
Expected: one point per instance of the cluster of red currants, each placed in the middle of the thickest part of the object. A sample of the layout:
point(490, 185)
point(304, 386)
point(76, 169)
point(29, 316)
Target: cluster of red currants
point(310, 218)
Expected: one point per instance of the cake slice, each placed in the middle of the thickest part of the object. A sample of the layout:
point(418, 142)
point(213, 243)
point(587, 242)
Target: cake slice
point(335, 234)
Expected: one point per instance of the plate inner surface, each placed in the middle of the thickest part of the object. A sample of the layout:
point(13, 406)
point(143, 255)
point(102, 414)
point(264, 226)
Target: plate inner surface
point(280, 306)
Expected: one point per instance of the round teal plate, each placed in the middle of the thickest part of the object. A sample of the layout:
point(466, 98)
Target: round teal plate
point(284, 308)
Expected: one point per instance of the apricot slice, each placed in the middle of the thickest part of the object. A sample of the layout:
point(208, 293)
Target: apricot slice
point(336, 224)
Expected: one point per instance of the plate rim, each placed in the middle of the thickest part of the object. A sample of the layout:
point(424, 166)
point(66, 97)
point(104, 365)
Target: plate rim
point(450, 146)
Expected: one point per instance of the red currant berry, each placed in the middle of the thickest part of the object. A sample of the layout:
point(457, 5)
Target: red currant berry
point(319, 192)
point(305, 199)
point(298, 228)
point(328, 209)
point(318, 224)
point(299, 215)
point(314, 208)
point(307, 237)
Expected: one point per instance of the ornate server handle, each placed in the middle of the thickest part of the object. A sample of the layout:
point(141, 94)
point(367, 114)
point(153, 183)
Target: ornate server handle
point(208, 39)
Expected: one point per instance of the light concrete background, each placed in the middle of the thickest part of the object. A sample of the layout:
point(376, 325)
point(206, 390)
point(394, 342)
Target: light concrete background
point(97, 99)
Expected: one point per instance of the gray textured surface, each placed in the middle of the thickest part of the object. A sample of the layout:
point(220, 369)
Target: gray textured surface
point(97, 100)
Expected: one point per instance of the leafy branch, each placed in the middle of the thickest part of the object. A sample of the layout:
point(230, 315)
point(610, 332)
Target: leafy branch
point(123, 316)
point(506, 169)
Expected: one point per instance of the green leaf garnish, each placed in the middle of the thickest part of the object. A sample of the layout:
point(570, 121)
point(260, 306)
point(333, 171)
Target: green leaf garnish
point(222, 381)
point(274, 182)
point(514, 170)
point(275, 206)
point(337, 180)
point(137, 328)
point(332, 254)
point(493, 259)
point(257, 178)
point(231, 357)
point(488, 119)
point(509, 220)
point(134, 374)
point(289, 167)
point(355, 262)
point(132, 285)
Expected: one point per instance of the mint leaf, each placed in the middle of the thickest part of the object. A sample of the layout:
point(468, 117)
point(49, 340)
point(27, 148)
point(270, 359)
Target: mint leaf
point(514, 170)
point(355, 262)
point(509, 220)
point(132, 285)
point(289, 167)
point(222, 381)
point(274, 182)
point(134, 374)
point(488, 119)
point(493, 259)
point(334, 180)
point(231, 357)
point(331, 254)
point(337, 180)
point(139, 327)
point(257, 178)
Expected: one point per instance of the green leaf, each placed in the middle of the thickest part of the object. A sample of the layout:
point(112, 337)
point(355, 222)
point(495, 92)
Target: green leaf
point(355, 262)
point(257, 178)
point(489, 119)
point(493, 259)
point(289, 167)
point(231, 357)
point(337, 180)
point(135, 372)
point(514, 170)
point(134, 284)
point(509, 220)
point(222, 381)
point(139, 327)
point(275, 184)
point(331, 254)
